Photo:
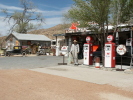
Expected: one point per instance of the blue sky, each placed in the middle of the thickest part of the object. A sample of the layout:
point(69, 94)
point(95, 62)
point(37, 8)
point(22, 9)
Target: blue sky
point(52, 11)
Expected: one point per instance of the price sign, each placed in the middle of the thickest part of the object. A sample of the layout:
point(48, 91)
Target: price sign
point(121, 49)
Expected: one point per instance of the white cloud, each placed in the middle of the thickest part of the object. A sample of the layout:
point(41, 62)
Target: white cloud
point(49, 22)
point(48, 6)
point(53, 21)
point(49, 13)
point(4, 26)
point(9, 7)
point(44, 12)
point(53, 12)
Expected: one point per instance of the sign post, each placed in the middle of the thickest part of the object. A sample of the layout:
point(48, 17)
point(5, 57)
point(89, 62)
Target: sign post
point(64, 52)
point(121, 50)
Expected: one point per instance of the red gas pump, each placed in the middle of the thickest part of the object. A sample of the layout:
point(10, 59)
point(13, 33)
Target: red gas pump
point(88, 50)
point(109, 60)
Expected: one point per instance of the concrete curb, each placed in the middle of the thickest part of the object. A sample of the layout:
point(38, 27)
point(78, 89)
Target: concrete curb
point(127, 71)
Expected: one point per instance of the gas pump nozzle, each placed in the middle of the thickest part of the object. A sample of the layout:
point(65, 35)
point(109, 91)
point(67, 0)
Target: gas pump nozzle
point(117, 38)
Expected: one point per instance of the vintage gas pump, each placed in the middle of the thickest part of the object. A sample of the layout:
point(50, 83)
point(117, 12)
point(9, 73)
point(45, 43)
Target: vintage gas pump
point(109, 60)
point(88, 50)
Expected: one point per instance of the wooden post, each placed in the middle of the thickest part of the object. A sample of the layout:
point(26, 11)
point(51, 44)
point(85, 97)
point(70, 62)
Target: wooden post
point(56, 40)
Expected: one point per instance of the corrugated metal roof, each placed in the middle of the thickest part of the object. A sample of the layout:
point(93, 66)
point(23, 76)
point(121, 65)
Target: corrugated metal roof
point(20, 36)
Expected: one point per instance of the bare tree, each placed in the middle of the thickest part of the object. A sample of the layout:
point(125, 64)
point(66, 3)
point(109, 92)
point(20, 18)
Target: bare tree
point(23, 20)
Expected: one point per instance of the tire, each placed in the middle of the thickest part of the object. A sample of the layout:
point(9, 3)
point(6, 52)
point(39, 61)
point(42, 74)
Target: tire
point(23, 54)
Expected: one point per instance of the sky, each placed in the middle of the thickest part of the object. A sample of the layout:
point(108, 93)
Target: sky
point(52, 11)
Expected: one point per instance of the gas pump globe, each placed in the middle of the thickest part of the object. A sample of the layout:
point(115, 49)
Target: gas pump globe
point(110, 38)
point(88, 39)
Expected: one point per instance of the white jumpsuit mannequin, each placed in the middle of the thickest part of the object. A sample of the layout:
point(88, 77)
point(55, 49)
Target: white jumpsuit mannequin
point(75, 51)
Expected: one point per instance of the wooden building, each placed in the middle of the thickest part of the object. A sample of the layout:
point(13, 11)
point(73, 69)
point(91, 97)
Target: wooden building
point(28, 40)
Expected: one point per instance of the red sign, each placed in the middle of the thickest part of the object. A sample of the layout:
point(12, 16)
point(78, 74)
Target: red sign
point(74, 26)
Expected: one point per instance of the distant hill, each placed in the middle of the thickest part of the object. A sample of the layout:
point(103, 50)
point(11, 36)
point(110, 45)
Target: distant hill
point(58, 29)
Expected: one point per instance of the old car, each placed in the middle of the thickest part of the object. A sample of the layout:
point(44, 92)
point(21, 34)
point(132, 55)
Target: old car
point(17, 50)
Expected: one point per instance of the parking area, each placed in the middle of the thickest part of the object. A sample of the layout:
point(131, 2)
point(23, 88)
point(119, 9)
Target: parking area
point(33, 61)
point(29, 62)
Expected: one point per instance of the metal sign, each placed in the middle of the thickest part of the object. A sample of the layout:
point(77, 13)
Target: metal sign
point(88, 39)
point(64, 48)
point(121, 49)
point(110, 38)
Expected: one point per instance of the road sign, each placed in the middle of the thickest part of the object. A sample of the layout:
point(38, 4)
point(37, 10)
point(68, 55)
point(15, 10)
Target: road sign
point(121, 49)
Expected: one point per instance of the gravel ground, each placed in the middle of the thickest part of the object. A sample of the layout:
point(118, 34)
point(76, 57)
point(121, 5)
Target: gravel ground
point(119, 79)
point(62, 82)
point(29, 85)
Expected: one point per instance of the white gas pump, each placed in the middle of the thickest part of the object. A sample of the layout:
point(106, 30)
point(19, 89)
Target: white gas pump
point(109, 60)
point(88, 50)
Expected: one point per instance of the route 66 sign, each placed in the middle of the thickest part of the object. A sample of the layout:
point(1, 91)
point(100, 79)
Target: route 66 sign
point(121, 49)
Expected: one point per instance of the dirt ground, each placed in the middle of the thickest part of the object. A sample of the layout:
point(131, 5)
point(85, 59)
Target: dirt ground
point(24, 84)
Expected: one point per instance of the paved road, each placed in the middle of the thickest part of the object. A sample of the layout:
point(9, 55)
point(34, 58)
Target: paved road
point(29, 62)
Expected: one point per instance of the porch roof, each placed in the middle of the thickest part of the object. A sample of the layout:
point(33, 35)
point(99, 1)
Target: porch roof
point(75, 33)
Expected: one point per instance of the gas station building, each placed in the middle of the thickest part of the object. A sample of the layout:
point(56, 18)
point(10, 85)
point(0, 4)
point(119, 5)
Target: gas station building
point(122, 35)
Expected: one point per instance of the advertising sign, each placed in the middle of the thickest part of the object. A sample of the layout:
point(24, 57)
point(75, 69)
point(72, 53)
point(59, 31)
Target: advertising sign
point(64, 48)
point(121, 49)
